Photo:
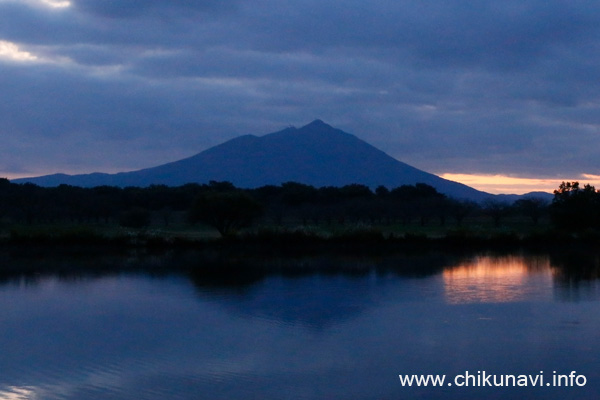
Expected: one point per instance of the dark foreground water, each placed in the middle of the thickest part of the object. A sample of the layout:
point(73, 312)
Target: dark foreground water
point(346, 332)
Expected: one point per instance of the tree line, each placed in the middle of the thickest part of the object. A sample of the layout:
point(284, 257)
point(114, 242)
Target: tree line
point(229, 209)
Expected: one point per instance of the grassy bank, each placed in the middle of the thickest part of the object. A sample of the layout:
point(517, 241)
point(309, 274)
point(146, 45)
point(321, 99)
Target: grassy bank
point(357, 238)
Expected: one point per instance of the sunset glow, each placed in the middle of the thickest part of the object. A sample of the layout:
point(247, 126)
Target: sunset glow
point(502, 184)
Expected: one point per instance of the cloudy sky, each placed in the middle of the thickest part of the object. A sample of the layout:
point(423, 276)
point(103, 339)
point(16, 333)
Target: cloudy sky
point(505, 91)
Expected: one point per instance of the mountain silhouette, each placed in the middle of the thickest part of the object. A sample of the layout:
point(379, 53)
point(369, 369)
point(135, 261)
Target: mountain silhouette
point(315, 154)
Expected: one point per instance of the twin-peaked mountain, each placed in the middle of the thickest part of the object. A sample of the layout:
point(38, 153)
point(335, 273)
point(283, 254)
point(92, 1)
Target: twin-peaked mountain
point(316, 154)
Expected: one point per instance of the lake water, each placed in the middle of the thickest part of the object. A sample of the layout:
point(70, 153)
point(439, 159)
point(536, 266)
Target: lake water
point(324, 328)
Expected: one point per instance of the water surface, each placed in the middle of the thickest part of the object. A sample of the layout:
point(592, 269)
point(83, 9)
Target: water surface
point(335, 328)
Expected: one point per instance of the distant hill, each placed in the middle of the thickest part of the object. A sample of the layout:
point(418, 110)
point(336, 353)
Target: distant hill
point(509, 198)
point(315, 154)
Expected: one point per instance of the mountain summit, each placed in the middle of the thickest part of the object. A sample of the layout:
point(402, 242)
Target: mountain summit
point(316, 154)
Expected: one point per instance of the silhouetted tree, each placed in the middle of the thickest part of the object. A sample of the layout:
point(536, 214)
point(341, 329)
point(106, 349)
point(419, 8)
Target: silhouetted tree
point(574, 207)
point(135, 218)
point(223, 186)
point(105, 202)
point(5, 190)
point(495, 209)
point(294, 193)
point(420, 200)
point(532, 207)
point(270, 196)
point(355, 191)
point(166, 214)
point(460, 209)
point(227, 212)
point(381, 191)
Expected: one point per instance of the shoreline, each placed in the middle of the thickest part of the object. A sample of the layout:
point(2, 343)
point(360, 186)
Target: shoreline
point(358, 241)
point(241, 261)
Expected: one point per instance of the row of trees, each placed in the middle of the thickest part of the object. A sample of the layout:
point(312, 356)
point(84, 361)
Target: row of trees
point(356, 204)
point(228, 209)
point(32, 204)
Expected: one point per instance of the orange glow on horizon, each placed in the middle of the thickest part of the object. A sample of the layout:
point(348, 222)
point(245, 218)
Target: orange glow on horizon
point(34, 174)
point(502, 184)
point(10, 176)
point(495, 184)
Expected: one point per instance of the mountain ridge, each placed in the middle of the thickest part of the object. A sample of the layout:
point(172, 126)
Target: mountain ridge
point(316, 154)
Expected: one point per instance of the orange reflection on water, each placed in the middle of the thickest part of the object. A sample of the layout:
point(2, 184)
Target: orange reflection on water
point(495, 279)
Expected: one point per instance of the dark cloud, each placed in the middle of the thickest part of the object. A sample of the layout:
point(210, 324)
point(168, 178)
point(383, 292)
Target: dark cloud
point(462, 86)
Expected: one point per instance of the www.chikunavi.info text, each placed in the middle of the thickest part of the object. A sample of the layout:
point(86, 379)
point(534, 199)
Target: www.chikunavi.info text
point(484, 379)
